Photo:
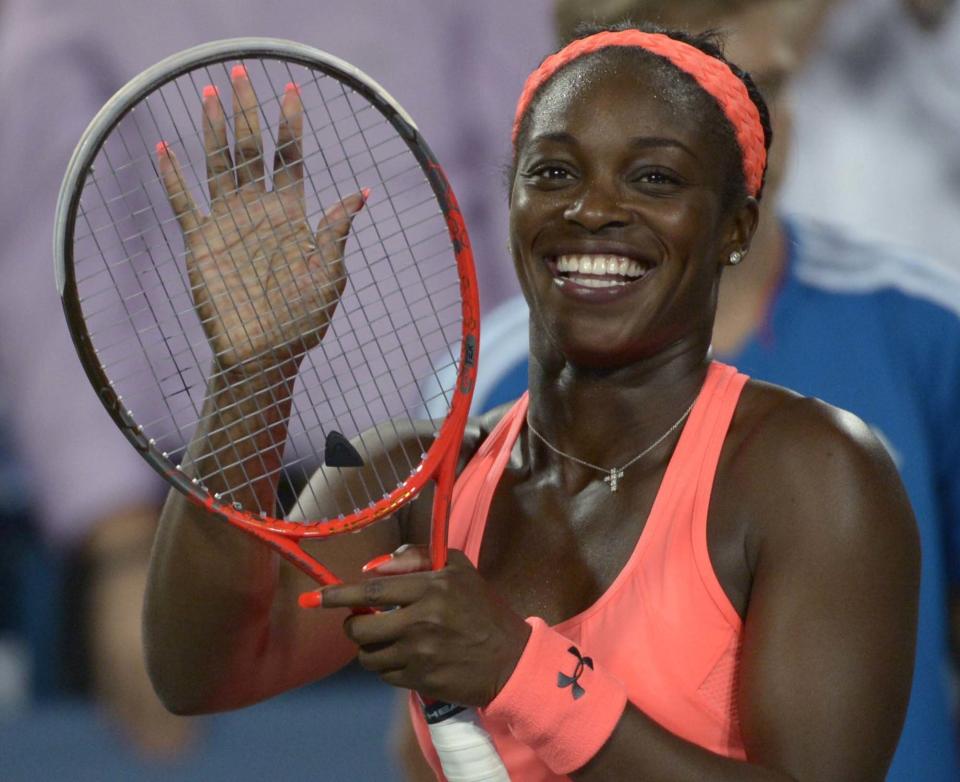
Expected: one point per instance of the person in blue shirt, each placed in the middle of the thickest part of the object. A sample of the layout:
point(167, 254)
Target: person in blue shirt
point(867, 327)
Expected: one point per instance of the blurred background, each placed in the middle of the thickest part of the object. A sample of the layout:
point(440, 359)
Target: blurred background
point(866, 99)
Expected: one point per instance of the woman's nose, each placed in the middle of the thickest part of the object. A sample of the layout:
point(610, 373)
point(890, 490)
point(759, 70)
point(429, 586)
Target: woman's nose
point(597, 206)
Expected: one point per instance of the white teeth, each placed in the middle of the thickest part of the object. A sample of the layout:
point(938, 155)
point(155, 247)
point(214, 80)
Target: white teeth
point(593, 282)
point(599, 264)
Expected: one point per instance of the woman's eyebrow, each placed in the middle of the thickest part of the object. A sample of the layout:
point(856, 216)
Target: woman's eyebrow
point(557, 136)
point(644, 142)
point(640, 142)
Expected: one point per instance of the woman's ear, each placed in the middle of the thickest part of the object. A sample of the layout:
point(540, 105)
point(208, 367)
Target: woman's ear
point(741, 228)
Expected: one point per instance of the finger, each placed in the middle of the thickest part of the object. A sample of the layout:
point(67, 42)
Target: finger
point(397, 678)
point(220, 178)
point(288, 160)
point(175, 185)
point(406, 559)
point(333, 228)
point(382, 660)
point(377, 592)
point(246, 123)
point(377, 629)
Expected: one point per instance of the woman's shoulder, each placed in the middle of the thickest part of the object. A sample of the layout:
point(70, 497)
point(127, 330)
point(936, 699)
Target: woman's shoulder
point(801, 468)
point(780, 426)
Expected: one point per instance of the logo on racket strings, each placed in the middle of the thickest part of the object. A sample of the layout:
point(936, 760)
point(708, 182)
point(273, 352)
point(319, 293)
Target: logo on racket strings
point(338, 452)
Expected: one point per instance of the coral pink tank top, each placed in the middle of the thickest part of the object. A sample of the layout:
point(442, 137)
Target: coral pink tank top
point(664, 627)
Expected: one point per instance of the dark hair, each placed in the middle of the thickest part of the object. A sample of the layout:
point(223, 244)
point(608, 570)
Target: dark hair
point(710, 43)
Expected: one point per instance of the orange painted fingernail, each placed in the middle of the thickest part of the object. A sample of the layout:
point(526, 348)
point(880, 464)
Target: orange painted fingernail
point(210, 91)
point(365, 193)
point(376, 562)
point(292, 86)
point(310, 600)
point(238, 71)
point(162, 148)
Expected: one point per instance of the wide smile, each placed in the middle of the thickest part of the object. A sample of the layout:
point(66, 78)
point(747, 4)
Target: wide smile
point(596, 276)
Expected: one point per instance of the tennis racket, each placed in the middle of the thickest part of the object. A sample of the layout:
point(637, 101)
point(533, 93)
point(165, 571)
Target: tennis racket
point(331, 302)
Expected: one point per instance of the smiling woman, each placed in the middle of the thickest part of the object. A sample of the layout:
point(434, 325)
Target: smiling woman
point(666, 570)
point(622, 157)
point(708, 592)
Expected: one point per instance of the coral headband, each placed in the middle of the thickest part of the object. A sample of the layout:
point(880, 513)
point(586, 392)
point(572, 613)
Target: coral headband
point(711, 74)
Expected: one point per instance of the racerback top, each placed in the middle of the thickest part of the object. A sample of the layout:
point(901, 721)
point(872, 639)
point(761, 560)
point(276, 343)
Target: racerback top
point(664, 627)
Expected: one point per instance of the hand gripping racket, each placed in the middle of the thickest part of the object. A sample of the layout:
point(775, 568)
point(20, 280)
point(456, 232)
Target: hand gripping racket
point(331, 302)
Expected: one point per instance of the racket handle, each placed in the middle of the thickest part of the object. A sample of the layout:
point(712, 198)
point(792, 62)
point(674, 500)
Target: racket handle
point(465, 749)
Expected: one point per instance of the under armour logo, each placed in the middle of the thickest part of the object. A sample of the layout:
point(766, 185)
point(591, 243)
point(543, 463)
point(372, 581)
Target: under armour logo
point(573, 682)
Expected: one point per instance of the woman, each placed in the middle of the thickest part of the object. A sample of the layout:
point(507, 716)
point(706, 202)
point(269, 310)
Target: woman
point(707, 564)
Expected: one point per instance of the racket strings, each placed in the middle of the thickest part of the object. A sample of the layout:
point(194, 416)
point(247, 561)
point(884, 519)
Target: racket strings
point(238, 167)
point(109, 291)
point(390, 348)
point(172, 418)
point(391, 202)
point(408, 301)
point(238, 402)
point(406, 221)
point(176, 372)
point(429, 200)
point(219, 467)
point(235, 443)
point(96, 256)
point(326, 104)
point(398, 472)
point(147, 161)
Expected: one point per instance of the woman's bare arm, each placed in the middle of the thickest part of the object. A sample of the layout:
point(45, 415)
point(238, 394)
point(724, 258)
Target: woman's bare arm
point(222, 627)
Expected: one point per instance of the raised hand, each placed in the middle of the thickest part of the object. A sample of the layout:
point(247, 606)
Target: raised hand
point(264, 283)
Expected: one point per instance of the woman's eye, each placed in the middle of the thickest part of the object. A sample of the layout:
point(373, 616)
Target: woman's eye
point(654, 178)
point(550, 172)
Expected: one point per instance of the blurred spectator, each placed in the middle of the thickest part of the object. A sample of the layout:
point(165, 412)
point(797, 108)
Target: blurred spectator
point(878, 118)
point(454, 67)
point(861, 325)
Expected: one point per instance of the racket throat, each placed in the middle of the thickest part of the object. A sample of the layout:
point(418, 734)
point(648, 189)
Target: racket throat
point(446, 475)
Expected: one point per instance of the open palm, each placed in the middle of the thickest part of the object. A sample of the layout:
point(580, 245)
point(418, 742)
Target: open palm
point(264, 282)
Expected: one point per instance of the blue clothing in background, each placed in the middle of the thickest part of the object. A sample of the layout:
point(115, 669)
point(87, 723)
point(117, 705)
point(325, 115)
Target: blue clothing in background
point(878, 333)
point(875, 331)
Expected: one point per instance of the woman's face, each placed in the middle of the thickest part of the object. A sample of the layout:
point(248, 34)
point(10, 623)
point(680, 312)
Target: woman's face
point(617, 222)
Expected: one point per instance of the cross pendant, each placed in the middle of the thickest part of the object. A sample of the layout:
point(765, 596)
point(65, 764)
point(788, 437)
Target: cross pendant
point(615, 475)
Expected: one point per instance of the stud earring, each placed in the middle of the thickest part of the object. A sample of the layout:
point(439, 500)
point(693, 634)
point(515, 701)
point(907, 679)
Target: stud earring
point(735, 257)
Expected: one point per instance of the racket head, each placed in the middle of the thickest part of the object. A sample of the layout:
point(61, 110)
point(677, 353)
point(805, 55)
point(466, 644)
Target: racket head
point(127, 299)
